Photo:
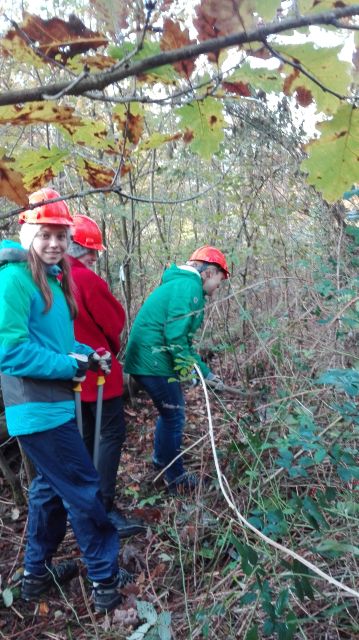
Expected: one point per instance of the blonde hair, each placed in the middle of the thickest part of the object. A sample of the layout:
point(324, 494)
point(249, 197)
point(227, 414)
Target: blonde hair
point(38, 272)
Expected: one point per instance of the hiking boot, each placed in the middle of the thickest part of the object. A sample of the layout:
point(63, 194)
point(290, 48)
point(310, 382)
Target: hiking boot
point(126, 527)
point(184, 484)
point(106, 595)
point(33, 586)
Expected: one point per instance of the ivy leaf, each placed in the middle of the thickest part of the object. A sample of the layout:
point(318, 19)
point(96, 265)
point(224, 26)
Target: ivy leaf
point(323, 64)
point(333, 159)
point(39, 167)
point(203, 123)
point(11, 184)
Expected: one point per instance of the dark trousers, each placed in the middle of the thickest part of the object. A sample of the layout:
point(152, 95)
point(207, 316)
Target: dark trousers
point(67, 485)
point(169, 402)
point(113, 433)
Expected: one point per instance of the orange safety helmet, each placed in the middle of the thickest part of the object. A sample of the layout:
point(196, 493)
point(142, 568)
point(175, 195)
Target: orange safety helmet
point(212, 255)
point(52, 213)
point(87, 233)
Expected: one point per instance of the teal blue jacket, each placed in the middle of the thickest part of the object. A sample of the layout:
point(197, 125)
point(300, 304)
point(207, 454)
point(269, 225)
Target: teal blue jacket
point(36, 370)
point(162, 333)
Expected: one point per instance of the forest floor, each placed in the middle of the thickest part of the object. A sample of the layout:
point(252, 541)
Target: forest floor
point(150, 556)
point(197, 570)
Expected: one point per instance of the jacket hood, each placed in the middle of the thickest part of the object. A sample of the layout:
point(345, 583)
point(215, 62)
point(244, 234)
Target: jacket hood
point(174, 272)
point(11, 251)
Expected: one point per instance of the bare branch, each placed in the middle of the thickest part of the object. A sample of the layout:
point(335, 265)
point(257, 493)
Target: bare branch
point(111, 189)
point(99, 81)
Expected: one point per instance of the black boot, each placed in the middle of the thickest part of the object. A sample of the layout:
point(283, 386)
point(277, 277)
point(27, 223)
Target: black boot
point(106, 595)
point(34, 586)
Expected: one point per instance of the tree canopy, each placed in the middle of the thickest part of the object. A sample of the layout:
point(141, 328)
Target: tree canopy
point(96, 78)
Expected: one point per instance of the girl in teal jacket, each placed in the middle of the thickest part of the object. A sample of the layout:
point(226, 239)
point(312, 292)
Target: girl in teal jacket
point(39, 360)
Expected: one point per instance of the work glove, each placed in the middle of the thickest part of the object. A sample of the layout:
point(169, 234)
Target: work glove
point(82, 362)
point(100, 359)
point(215, 381)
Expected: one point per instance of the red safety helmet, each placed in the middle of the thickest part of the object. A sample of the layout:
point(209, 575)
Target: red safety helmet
point(87, 233)
point(211, 254)
point(52, 213)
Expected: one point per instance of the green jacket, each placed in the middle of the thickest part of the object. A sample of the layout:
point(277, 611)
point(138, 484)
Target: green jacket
point(161, 336)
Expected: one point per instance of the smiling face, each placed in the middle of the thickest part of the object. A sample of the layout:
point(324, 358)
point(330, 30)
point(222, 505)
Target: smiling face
point(89, 259)
point(50, 243)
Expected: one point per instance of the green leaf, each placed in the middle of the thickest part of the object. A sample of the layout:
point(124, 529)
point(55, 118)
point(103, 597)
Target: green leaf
point(323, 64)
point(311, 509)
point(167, 73)
point(336, 548)
point(146, 611)
point(333, 159)
point(203, 122)
point(344, 379)
point(89, 133)
point(317, 6)
point(164, 625)
point(267, 9)
point(38, 167)
point(258, 78)
point(7, 597)
point(281, 603)
point(140, 632)
point(252, 634)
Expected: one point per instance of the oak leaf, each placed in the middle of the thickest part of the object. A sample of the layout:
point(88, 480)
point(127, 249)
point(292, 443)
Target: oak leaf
point(95, 174)
point(11, 185)
point(333, 159)
point(174, 38)
point(56, 38)
point(130, 120)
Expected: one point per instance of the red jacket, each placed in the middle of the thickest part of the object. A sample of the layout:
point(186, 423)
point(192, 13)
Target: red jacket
point(99, 323)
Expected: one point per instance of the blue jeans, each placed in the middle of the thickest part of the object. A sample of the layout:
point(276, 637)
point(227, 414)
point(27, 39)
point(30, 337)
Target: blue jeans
point(67, 485)
point(169, 402)
point(113, 433)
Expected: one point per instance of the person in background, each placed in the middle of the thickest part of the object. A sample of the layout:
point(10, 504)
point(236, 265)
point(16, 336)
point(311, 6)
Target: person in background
point(39, 362)
point(160, 344)
point(100, 321)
